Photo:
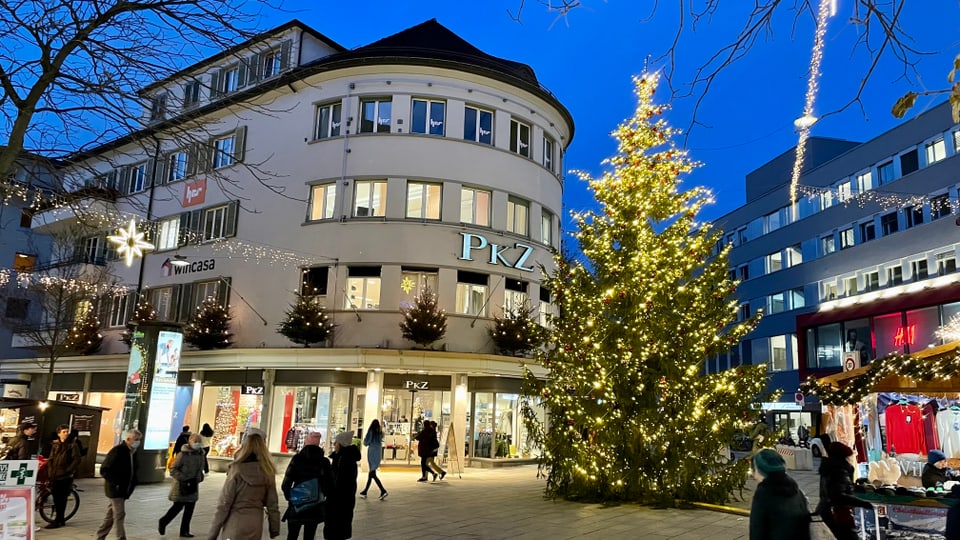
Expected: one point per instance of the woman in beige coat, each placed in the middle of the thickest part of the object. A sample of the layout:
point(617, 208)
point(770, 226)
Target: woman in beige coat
point(250, 487)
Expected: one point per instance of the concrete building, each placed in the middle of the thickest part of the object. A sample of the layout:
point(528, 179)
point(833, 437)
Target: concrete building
point(359, 177)
point(863, 265)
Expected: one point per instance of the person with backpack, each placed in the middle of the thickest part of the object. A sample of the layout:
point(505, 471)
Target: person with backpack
point(306, 483)
point(187, 472)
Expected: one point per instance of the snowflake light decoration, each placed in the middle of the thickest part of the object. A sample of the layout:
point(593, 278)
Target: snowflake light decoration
point(130, 243)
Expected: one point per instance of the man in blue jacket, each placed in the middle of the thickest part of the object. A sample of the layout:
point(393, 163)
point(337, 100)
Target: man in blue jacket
point(119, 471)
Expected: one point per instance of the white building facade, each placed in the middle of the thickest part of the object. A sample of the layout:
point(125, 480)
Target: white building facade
point(358, 177)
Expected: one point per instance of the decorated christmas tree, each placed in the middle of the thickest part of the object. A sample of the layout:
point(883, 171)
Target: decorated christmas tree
point(306, 322)
point(85, 336)
point(142, 313)
point(516, 332)
point(634, 417)
point(424, 322)
point(210, 327)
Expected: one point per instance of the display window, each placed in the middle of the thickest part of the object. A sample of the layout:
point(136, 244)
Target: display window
point(111, 418)
point(230, 413)
point(403, 414)
point(498, 429)
point(298, 410)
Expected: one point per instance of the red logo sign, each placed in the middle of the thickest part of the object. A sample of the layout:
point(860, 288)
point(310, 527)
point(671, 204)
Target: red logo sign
point(905, 335)
point(195, 192)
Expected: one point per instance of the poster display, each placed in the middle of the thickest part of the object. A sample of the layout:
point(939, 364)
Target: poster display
point(163, 391)
point(137, 387)
point(16, 513)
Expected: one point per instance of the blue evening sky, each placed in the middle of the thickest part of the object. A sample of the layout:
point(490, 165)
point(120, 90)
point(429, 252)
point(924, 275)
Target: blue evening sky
point(588, 59)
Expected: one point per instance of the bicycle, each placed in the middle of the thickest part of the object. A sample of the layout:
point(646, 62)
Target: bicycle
point(44, 500)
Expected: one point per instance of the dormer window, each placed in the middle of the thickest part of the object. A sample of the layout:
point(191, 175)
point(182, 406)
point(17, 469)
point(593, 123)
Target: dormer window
point(230, 80)
point(270, 63)
point(191, 94)
point(158, 108)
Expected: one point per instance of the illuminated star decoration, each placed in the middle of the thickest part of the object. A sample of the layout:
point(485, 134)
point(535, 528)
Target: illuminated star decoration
point(130, 243)
point(407, 285)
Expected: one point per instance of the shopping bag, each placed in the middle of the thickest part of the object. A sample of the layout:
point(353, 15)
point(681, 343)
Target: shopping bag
point(306, 495)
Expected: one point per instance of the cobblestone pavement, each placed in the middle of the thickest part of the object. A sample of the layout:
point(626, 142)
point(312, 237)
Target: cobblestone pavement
point(482, 504)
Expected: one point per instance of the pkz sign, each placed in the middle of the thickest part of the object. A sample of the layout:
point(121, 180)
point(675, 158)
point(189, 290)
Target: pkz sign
point(519, 253)
point(248, 390)
point(416, 385)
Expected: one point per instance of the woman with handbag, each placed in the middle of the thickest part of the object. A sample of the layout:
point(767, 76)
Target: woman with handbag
point(779, 509)
point(187, 473)
point(309, 466)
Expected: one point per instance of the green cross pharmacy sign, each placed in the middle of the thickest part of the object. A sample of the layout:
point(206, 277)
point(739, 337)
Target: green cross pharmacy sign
point(18, 473)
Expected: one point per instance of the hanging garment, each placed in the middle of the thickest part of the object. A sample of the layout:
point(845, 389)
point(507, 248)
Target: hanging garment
point(930, 428)
point(905, 429)
point(948, 426)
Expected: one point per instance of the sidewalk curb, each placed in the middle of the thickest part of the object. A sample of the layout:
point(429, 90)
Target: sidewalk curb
point(721, 508)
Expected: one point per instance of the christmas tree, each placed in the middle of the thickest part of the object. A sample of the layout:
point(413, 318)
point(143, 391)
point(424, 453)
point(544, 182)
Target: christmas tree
point(143, 312)
point(210, 327)
point(633, 416)
point(423, 322)
point(85, 336)
point(306, 322)
point(516, 332)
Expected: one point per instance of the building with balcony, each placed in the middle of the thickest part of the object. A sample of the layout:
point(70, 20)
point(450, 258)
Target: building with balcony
point(359, 178)
point(863, 263)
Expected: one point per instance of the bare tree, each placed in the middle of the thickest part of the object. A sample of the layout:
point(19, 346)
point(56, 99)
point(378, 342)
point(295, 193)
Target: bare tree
point(45, 300)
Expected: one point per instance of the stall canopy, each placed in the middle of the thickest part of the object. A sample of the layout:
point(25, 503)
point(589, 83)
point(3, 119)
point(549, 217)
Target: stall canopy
point(931, 372)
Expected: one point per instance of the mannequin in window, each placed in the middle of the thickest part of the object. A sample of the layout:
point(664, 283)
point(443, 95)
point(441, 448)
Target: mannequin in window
point(854, 344)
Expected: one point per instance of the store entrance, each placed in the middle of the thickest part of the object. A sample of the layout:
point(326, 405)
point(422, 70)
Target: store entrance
point(404, 413)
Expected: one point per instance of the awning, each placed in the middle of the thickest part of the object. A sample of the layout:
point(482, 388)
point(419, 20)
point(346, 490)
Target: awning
point(903, 383)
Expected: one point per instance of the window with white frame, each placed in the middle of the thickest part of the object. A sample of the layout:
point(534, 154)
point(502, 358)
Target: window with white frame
point(864, 182)
point(224, 149)
point(936, 150)
point(370, 199)
point(743, 311)
point(191, 94)
point(871, 280)
point(477, 125)
point(956, 141)
point(546, 228)
point(850, 286)
point(779, 361)
point(215, 223)
point(158, 108)
point(894, 275)
point(518, 211)
point(471, 293)
point(177, 166)
point(844, 190)
point(797, 299)
point(428, 116)
point(475, 206)
point(520, 138)
point(946, 263)
point(828, 244)
point(313, 281)
point(773, 221)
point(918, 269)
point(270, 63)
point(137, 180)
point(774, 262)
point(375, 115)
point(793, 255)
point(547, 309)
point(777, 303)
point(206, 289)
point(323, 199)
point(548, 148)
point(230, 80)
point(826, 200)
point(846, 238)
point(118, 310)
point(162, 301)
point(328, 120)
point(413, 281)
point(515, 300)
point(363, 288)
point(828, 290)
point(424, 200)
point(168, 234)
point(885, 172)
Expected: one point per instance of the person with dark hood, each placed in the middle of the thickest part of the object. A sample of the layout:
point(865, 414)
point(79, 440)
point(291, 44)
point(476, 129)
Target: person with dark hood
point(427, 444)
point(779, 509)
point(343, 499)
point(836, 492)
point(206, 436)
point(936, 472)
point(309, 464)
point(432, 460)
point(24, 444)
point(182, 440)
point(63, 462)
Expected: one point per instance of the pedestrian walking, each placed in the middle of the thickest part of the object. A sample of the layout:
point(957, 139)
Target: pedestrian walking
point(187, 473)
point(119, 472)
point(340, 503)
point(836, 492)
point(63, 460)
point(373, 440)
point(24, 444)
point(250, 487)
point(182, 440)
point(206, 437)
point(307, 465)
point(779, 509)
point(426, 443)
point(432, 464)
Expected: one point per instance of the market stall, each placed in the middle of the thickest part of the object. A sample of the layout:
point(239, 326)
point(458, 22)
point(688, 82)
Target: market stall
point(898, 413)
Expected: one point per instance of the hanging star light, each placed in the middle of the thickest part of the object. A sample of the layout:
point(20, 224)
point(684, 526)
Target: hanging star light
point(130, 243)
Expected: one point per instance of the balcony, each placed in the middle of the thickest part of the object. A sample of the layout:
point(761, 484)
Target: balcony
point(89, 205)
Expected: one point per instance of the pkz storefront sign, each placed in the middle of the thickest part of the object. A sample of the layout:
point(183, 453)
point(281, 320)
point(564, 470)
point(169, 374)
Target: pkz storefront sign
point(251, 390)
point(516, 256)
point(416, 385)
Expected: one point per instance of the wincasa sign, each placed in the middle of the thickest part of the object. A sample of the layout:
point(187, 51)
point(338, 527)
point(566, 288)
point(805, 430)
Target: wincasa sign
point(170, 269)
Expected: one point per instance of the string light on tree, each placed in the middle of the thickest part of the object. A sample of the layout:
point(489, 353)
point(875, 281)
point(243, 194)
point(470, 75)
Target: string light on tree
point(130, 243)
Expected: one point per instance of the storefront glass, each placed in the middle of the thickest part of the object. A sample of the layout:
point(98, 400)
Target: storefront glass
point(298, 410)
point(110, 418)
point(498, 429)
point(920, 331)
point(230, 413)
point(886, 328)
point(403, 414)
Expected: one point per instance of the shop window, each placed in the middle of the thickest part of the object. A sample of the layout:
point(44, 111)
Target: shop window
point(885, 173)
point(471, 293)
point(894, 276)
point(370, 199)
point(918, 269)
point(889, 224)
point(518, 211)
point(424, 200)
point(920, 331)
point(231, 413)
point(428, 117)
point(909, 162)
point(363, 288)
point(313, 281)
point(857, 338)
point(946, 263)
point(24, 262)
point(375, 115)
point(323, 201)
point(940, 206)
point(477, 125)
point(299, 410)
point(828, 346)
point(414, 281)
point(914, 215)
point(886, 328)
point(475, 206)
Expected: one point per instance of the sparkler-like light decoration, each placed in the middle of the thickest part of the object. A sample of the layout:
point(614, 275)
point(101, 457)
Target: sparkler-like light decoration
point(806, 121)
point(130, 243)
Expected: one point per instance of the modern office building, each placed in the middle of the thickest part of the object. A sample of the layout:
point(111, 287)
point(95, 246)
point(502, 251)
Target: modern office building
point(864, 262)
point(358, 177)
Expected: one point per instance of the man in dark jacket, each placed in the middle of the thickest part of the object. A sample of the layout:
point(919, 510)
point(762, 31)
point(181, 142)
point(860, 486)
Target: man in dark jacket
point(183, 439)
point(63, 462)
point(309, 463)
point(340, 504)
point(119, 471)
point(24, 445)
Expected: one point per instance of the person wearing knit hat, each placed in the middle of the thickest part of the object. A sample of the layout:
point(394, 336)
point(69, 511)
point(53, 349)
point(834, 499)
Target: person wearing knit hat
point(308, 465)
point(343, 499)
point(836, 492)
point(936, 472)
point(779, 509)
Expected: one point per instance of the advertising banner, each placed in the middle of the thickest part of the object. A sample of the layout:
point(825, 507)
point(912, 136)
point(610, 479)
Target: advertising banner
point(16, 513)
point(137, 384)
point(163, 391)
